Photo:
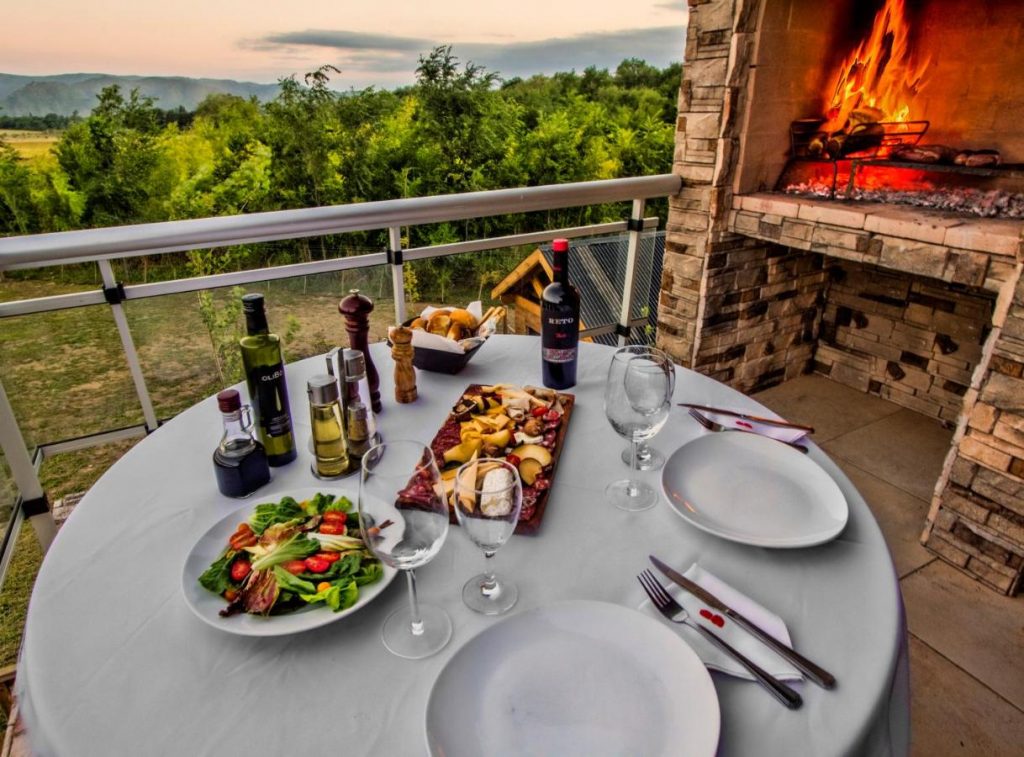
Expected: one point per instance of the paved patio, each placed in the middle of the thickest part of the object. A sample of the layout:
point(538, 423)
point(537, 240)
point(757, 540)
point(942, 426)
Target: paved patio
point(966, 641)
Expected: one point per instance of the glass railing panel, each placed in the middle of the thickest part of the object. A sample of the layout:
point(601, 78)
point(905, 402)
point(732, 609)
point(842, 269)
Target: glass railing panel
point(188, 343)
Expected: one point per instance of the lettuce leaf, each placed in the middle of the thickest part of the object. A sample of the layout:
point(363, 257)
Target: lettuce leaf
point(340, 596)
point(287, 582)
point(217, 577)
point(296, 547)
point(368, 573)
point(271, 513)
point(340, 505)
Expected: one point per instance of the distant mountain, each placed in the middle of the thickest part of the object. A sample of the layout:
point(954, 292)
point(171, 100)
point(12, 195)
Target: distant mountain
point(66, 93)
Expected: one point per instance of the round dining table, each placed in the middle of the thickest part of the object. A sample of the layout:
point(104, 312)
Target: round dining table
point(114, 662)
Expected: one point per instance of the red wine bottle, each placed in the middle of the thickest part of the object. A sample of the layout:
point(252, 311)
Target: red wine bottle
point(559, 323)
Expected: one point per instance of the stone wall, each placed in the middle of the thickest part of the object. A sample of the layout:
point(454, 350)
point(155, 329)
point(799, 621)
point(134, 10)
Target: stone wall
point(712, 98)
point(977, 516)
point(910, 340)
point(762, 310)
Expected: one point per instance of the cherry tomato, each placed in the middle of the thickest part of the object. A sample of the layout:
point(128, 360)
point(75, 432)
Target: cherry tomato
point(513, 460)
point(317, 564)
point(230, 595)
point(333, 529)
point(323, 586)
point(295, 567)
point(240, 569)
point(538, 411)
point(552, 415)
point(334, 516)
point(328, 556)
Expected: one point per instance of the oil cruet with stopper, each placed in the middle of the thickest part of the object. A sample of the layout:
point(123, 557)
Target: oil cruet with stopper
point(330, 447)
point(239, 462)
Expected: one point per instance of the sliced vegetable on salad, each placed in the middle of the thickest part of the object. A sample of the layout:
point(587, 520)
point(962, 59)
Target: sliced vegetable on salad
point(289, 555)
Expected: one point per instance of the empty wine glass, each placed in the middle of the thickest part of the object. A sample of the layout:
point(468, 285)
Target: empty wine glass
point(637, 399)
point(647, 457)
point(488, 498)
point(404, 520)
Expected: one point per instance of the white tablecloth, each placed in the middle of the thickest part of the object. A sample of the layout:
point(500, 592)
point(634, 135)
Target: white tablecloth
point(114, 663)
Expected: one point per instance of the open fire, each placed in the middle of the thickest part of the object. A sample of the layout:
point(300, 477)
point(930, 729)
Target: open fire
point(867, 142)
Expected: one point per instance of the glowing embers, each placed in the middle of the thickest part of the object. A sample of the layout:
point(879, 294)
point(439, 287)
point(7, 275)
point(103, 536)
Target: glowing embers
point(987, 194)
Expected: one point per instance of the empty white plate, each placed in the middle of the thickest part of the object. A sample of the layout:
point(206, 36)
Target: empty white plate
point(754, 490)
point(574, 678)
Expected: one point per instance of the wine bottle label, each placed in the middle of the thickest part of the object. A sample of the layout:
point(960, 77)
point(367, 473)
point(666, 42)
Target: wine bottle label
point(555, 355)
point(271, 399)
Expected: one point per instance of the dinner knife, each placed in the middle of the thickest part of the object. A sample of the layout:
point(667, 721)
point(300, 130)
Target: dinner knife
point(746, 417)
point(821, 677)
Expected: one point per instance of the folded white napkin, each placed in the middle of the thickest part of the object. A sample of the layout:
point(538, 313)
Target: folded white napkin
point(788, 435)
point(738, 638)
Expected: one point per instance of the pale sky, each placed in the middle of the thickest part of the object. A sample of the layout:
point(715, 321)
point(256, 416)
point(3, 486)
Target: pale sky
point(372, 42)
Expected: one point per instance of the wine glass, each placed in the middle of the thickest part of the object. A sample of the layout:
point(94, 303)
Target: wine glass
point(488, 498)
point(404, 519)
point(648, 458)
point(637, 399)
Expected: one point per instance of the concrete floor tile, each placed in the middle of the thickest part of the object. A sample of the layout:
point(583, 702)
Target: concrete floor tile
point(900, 516)
point(971, 625)
point(832, 408)
point(952, 714)
point(905, 449)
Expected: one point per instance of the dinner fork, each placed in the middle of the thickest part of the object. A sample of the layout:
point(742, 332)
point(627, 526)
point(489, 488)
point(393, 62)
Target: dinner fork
point(675, 612)
point(711, 425)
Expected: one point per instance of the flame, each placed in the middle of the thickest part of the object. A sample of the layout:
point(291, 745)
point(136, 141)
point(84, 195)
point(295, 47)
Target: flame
point(880, 74)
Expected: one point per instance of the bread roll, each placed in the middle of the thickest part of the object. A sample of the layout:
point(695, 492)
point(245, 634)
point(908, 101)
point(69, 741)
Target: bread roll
point(439, 323)
point(418, 323)
point(457, 331)
point(465, 318)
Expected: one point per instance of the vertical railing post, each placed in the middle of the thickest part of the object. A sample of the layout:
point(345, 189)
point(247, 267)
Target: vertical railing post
point(636, 226)
point(33, 499)
point(114, 293)
point(397, 278)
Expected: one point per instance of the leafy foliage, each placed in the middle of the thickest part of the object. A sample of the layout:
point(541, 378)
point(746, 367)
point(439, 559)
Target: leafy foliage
point(459, 128)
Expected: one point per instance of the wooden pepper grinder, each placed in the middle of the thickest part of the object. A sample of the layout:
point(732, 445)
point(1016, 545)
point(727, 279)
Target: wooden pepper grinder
point(356, 309)
point(405, 373)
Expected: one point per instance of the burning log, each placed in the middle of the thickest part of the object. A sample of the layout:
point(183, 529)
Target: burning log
point(861, 137)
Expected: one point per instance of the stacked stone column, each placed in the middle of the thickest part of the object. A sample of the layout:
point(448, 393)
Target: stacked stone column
point(976, 520)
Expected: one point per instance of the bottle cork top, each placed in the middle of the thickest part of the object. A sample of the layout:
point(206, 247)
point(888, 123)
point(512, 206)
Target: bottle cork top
point(228, 401)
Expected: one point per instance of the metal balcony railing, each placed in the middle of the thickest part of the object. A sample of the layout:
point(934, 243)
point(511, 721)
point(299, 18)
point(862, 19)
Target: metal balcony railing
point(106, 244)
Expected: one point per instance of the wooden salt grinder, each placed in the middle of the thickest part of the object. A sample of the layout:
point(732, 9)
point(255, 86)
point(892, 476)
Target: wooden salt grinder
point(356, 309)
point(405, 373)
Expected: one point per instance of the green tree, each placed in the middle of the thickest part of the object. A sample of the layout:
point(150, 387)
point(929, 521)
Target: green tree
point(16, 211)
point(110, 158)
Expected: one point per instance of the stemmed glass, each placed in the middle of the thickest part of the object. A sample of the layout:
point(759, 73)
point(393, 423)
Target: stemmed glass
point(404, 520)
point(488, 498)
point(648, 458)
point(637, 400)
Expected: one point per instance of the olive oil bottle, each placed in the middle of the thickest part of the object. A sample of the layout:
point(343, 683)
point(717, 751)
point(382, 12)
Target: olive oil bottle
point(264, 374)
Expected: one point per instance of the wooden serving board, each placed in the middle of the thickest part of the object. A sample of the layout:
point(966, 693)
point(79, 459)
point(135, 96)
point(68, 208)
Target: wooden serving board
point(531, 524)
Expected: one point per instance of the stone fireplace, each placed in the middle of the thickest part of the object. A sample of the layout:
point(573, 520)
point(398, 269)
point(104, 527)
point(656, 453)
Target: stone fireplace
point(917, 298)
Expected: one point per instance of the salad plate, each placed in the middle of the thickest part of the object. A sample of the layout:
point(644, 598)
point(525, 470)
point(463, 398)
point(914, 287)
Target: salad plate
point(753, 490)
point(576, 677)
point(207, 605)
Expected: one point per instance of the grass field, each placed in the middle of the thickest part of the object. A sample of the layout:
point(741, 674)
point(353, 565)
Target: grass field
point(66, 376)
point(30, 144)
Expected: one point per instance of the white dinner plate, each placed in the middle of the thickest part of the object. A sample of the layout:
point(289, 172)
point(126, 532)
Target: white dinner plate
point(754, 490)
point(208, 605)
point(574, 678)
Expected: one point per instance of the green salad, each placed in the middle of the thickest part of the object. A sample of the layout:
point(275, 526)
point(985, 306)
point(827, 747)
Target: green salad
point(289, 555)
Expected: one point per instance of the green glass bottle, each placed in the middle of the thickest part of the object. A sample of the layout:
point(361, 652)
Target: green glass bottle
point(264, 374)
